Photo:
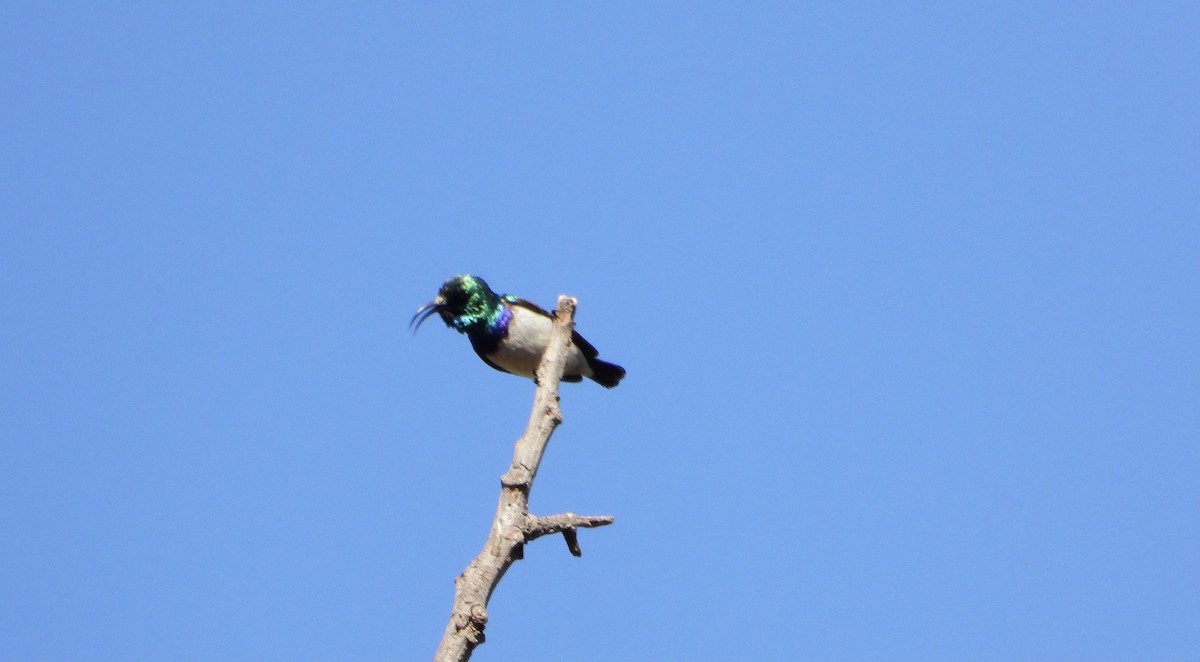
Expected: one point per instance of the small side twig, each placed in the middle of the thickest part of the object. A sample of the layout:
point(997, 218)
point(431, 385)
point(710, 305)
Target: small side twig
point(513, 525)
point(566, 524)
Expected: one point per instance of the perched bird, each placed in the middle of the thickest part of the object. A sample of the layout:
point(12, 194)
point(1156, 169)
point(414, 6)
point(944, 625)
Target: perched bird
point(511, 334)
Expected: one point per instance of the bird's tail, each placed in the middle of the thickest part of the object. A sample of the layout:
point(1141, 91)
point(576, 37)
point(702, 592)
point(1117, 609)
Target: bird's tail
point(606, 374)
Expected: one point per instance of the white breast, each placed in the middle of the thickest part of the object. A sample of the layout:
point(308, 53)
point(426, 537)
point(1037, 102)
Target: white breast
point(528, 335)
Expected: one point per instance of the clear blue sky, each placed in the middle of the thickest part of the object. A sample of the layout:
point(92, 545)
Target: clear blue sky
point(909, 299)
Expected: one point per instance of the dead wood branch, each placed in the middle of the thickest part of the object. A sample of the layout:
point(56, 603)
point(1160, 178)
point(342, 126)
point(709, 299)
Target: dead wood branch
point(514, 525)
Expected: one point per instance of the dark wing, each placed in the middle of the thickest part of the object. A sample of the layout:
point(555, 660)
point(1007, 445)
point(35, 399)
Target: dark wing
point(484, 346)
point(584, 346)
point(529, 305)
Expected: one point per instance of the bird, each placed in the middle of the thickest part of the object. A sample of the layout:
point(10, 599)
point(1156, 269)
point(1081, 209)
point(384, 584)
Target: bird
point(509, 333)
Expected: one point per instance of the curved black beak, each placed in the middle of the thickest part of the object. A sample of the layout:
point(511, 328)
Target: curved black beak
point(424, 313)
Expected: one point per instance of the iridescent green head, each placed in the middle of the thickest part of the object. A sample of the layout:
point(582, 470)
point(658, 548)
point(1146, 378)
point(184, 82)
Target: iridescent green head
point(465, 303)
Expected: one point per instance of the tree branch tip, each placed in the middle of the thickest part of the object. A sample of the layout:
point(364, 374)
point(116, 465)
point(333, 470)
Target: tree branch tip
point(540, 526)
point(580, 521)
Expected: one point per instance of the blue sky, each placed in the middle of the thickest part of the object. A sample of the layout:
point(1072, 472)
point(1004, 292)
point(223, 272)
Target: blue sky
point(907, 296)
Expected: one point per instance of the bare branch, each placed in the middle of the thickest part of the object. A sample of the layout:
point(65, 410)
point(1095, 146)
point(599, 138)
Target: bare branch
point(566, 524)
point(540, 526)
point(513, 525)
